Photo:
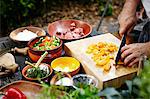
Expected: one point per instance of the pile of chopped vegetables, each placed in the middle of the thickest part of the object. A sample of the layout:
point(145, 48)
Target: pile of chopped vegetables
point(46, 43)
point(102, 53)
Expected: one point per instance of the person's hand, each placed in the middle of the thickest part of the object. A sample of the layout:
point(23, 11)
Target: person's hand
point(131, 53)
point(126, 22)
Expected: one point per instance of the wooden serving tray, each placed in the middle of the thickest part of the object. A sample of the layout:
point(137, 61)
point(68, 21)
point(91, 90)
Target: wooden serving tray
point(115, 77)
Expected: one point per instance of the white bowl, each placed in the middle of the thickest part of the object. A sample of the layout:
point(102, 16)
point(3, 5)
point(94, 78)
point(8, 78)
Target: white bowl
point(25, 37)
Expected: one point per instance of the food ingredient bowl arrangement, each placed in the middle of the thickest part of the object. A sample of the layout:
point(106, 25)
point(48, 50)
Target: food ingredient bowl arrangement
point(69, 29)
point(66, 64)
point(61, 79)
point(24, 34)
point(30, 73)
point(39, 45)
point(84, 79)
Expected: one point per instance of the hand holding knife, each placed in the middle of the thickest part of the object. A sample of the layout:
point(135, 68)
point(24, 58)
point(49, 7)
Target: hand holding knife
point(123, 42)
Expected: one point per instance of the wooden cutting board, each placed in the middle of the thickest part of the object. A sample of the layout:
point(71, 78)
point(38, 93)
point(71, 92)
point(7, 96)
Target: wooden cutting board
point(115, 77)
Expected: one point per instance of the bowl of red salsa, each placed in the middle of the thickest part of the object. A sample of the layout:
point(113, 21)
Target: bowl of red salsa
point(38, 45)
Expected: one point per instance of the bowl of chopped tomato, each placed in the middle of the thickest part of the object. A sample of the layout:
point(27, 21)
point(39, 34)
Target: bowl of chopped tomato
point(69, 29)
point(38, 45)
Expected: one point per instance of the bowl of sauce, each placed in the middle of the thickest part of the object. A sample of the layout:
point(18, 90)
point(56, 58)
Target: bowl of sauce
point(66, 64)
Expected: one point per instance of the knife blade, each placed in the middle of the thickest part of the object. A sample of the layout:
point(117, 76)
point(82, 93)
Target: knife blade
point(123, 42)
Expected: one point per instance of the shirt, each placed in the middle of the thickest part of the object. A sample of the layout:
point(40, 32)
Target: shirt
point(146, 4)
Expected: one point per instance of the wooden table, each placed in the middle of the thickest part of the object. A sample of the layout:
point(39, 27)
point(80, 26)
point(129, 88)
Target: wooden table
point(5, 42)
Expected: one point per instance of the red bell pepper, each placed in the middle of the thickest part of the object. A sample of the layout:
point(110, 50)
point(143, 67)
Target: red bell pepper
point(14, 93)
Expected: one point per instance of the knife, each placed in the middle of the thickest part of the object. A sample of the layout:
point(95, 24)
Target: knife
point(123, 42)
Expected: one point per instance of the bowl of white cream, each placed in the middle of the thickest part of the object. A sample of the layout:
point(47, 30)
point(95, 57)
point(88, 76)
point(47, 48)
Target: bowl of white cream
point(61, 79)
point(25, 34)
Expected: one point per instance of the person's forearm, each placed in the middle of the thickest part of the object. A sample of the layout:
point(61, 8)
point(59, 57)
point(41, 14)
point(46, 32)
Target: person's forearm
point(130, 7)
point(147, 45)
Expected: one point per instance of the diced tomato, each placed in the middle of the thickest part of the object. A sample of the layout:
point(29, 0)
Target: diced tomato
point(46, 39)
point(42, 44)
point(51, 40)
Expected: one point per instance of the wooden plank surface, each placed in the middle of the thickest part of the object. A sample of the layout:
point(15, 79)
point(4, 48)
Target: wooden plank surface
point(115, 76)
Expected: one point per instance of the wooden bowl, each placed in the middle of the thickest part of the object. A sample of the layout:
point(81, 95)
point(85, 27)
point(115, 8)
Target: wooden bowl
point(55, 78)
point(36, 54)
point(37, 30)
point(68, 63)
point(63, 25)
point(30, 89)
point(24, 70)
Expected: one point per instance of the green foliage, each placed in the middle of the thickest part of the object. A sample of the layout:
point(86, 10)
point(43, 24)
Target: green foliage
point(54, 92)
point(133, 89)
point(15, 13)
point(36, 72)
point(27, 5)
point(102, 4)
point(139, 87)
point(110, 93)
point(60, 92)
point(145, 81)
point(86, 92)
